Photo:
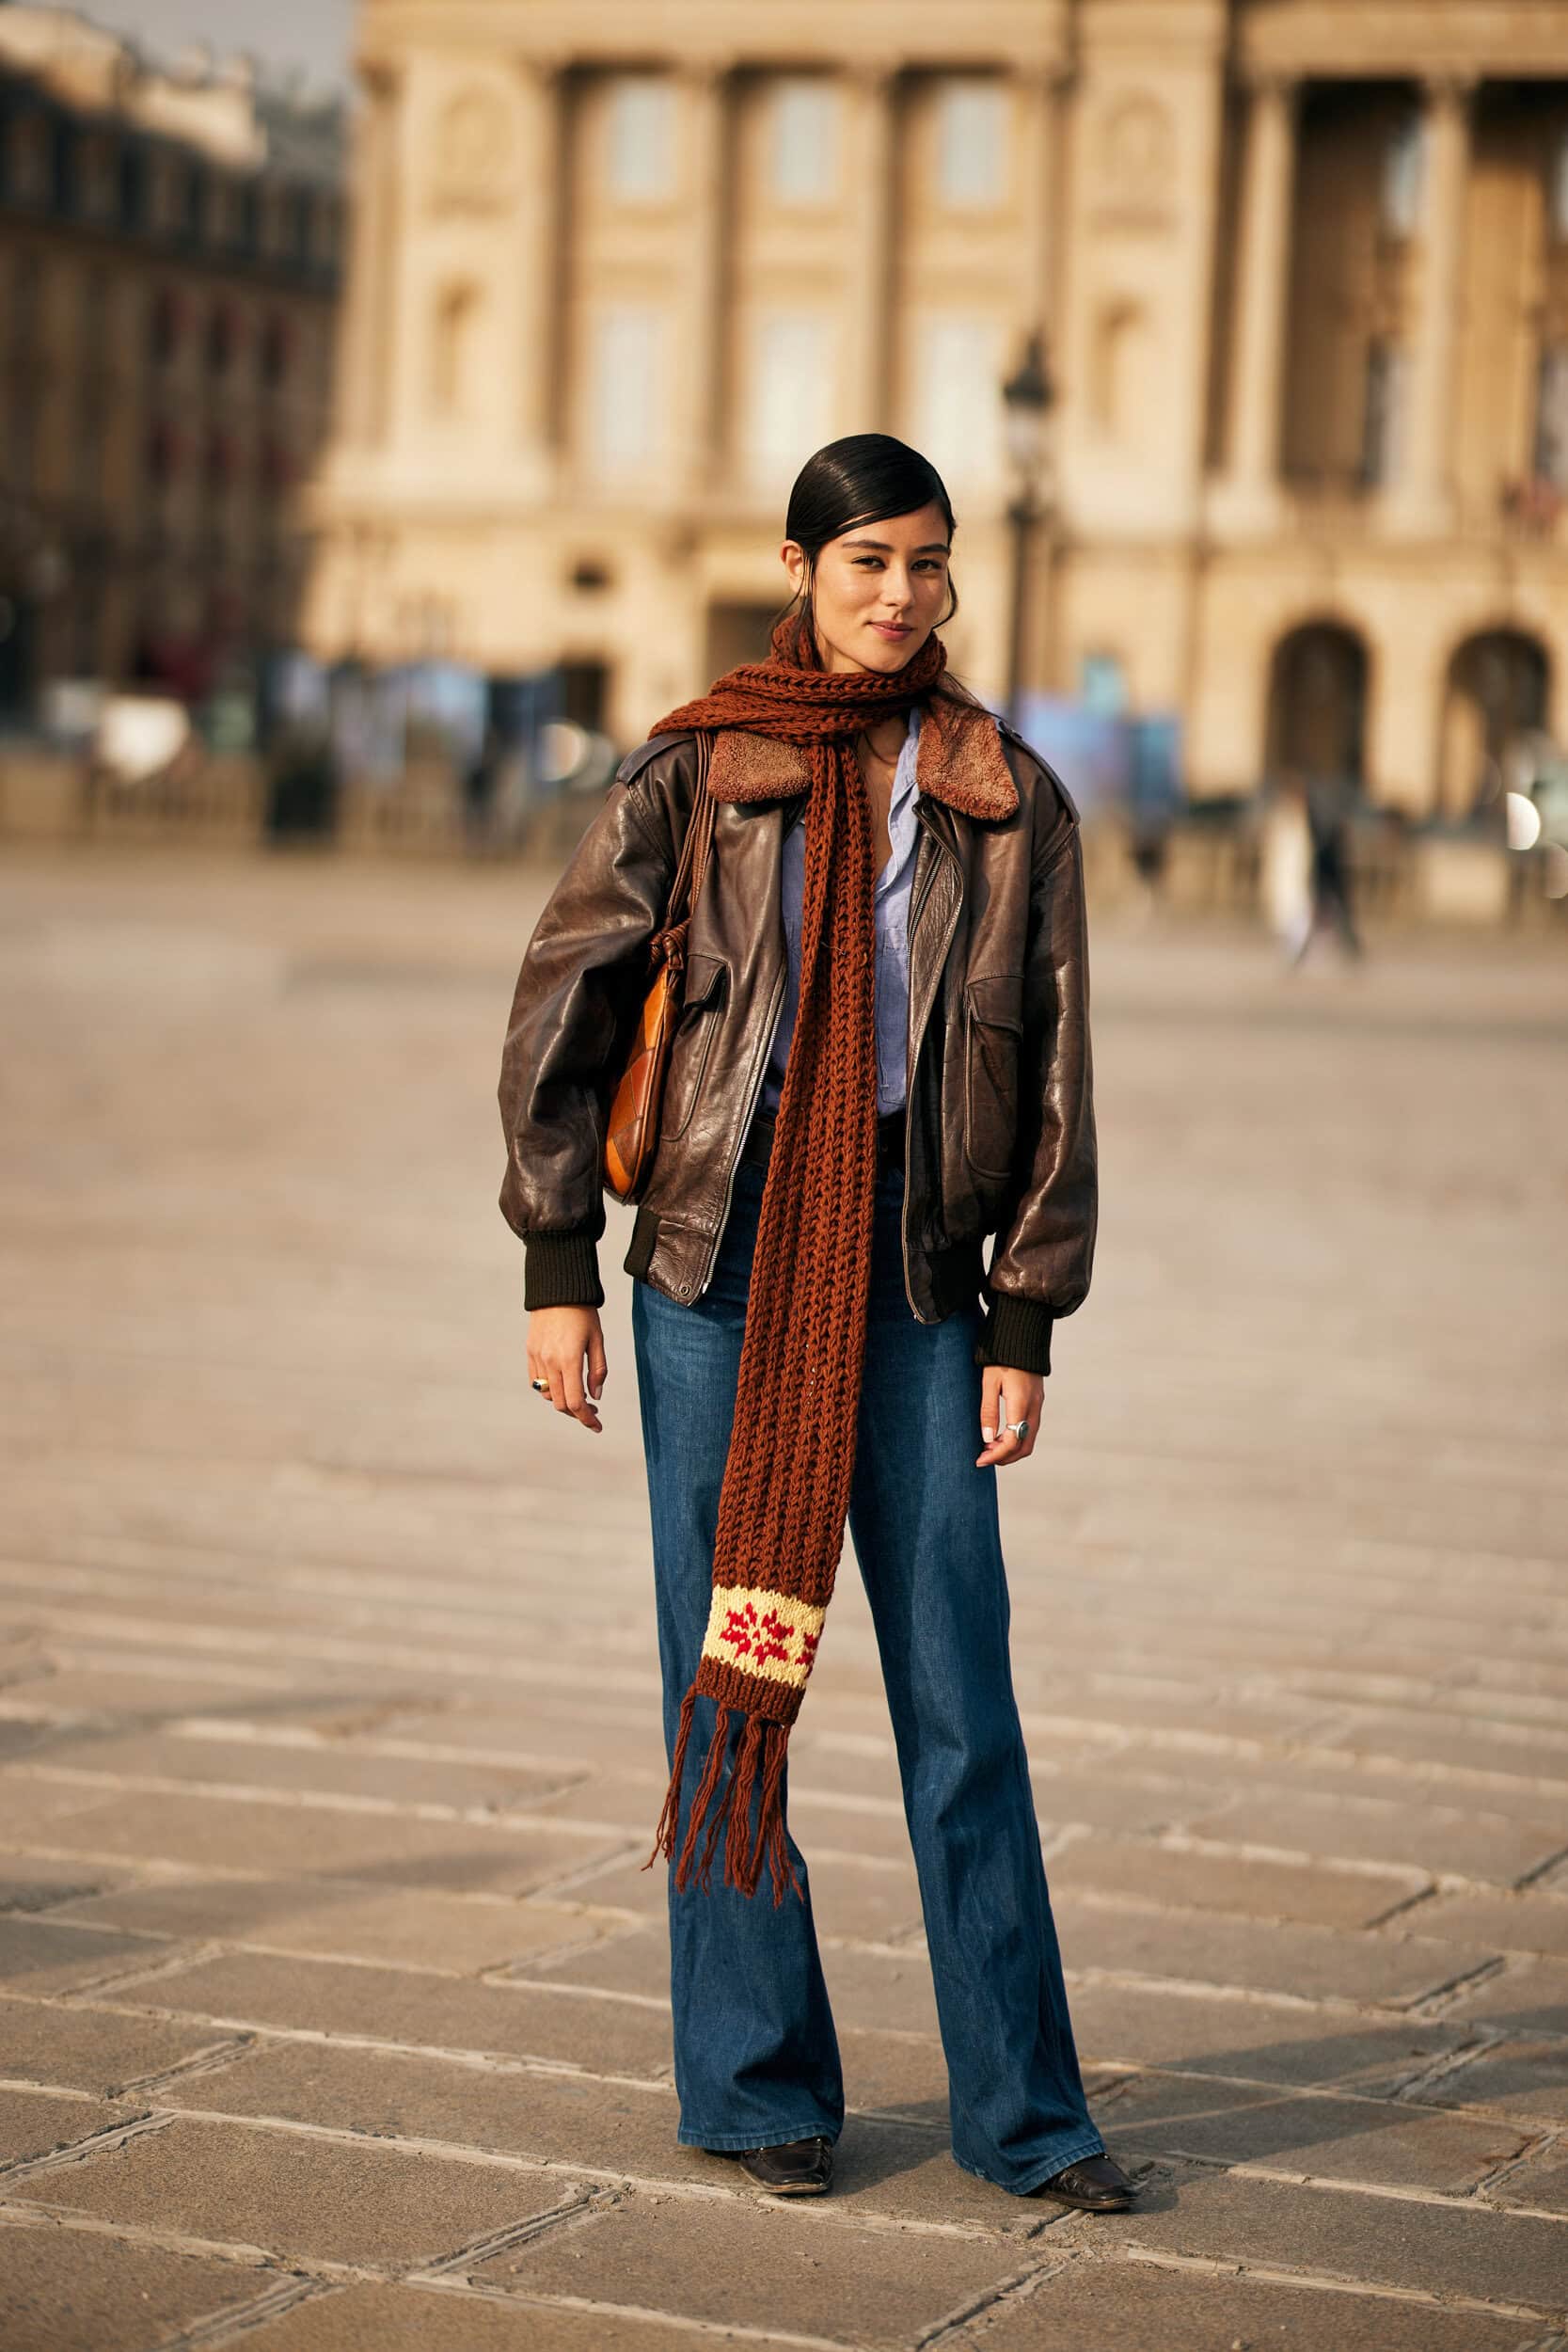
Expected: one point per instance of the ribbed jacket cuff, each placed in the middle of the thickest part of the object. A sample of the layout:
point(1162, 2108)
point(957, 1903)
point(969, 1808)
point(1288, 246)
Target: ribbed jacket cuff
point(1017, 1334)
point(562, 1270)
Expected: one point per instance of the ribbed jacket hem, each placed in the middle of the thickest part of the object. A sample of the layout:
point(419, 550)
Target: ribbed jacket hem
point(562, 1270)
point(1017, 1334)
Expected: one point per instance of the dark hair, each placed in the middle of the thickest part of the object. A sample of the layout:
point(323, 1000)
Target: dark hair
point(864, 478)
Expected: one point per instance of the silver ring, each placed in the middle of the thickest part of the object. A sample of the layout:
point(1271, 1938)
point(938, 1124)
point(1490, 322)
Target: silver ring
point(1018, 1428)
point(543, 1387)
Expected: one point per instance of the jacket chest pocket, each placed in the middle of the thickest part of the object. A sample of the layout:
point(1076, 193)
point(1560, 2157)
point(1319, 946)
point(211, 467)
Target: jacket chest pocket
point(993, 1036)
point(701, 1010)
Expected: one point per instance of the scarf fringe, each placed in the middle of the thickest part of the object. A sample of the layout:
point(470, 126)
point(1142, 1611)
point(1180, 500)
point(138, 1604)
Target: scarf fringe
point(759, 1762)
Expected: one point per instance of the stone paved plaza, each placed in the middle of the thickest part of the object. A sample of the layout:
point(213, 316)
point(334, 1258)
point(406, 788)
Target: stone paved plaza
point(333, 1991)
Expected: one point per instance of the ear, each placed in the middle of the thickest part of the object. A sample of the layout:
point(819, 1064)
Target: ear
point(793, 557)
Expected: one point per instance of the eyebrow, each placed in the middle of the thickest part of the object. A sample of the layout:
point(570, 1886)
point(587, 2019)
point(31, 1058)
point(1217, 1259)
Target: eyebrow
point(885, 546)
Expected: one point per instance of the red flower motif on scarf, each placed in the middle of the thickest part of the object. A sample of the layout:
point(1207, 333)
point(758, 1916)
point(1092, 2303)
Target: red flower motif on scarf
point(754, 1637)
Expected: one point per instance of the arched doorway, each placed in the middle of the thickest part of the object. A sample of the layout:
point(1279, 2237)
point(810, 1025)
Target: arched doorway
point(1318, 703)
point(1497, 690)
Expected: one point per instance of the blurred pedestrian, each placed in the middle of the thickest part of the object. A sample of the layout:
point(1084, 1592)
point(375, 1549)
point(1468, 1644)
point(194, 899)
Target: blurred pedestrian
point(480, 776)
point(883, 1056)
point(1286, 880)
point(1329, 802)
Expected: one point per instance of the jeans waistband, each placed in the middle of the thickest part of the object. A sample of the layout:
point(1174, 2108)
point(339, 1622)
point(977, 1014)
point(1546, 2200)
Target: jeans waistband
point(889, 1139)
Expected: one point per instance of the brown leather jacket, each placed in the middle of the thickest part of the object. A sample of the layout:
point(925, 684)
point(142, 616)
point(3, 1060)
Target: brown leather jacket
point(1000, 1132)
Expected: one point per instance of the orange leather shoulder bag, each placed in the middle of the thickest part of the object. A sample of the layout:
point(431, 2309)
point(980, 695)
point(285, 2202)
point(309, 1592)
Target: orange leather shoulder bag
point(632, 1128)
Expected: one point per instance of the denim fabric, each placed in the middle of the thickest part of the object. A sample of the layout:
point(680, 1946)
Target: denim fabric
point(756, 2055)
point(890, 908)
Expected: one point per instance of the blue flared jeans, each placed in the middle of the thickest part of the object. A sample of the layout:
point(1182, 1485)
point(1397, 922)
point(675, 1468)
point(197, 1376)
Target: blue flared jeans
point(756, 2054)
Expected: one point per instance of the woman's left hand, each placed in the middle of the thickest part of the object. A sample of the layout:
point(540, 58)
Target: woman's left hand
point(1007, 1395)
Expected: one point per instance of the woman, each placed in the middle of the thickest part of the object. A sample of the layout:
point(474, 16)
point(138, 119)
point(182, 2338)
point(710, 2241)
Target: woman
point(882, 1057)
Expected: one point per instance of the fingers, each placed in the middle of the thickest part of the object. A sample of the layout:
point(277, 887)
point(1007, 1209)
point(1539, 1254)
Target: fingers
point(576, 1402)
point(562, 1365)
point(1009, 1396)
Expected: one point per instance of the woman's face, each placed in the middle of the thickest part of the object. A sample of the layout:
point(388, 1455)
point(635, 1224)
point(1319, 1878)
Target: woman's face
point(880, 589)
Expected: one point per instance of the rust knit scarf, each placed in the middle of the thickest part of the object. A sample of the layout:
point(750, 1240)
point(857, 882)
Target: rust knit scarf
point(785, 1495)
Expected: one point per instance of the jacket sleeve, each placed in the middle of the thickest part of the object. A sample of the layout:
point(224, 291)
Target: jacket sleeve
point(584, 974)
point(1044, 1248)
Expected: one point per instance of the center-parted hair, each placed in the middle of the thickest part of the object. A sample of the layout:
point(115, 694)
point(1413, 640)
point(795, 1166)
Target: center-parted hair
point(864, 478)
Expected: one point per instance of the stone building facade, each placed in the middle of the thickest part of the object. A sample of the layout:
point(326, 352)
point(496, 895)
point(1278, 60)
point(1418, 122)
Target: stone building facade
point(1301, 268)
point(169, 245)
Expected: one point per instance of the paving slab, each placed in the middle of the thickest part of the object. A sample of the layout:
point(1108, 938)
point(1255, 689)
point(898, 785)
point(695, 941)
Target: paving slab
point(1262, 2041)
point(1441, 2246)
point(1091, 2305)
point(77, 2047)
point(1265, 1955)
point(727, 2262)
point(1529, 1921)
point(314, 1768)
point(43, 1881)
point(1195, 1877)
point(1455, 1740)
point(35, 2123)
point(345, 1920)
point(413, 2318)
point(308, 1839)
point(1517, 2076)
point(44, 1956)
point(1382, 2141)
point(402, 2005)
point(1467, 1842)
point(63, 2290)
point(1528, 1996)
point(296, 2193)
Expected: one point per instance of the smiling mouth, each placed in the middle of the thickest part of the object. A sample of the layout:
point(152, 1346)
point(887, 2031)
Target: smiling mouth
point(892, 628)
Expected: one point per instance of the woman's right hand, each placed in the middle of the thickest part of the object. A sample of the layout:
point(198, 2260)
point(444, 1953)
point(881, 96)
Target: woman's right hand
point(559, 1338)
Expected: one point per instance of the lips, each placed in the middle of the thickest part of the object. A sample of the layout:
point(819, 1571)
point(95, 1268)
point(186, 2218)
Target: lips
point(890, 629)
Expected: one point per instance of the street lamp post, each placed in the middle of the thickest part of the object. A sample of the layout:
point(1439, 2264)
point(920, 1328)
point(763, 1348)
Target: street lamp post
point(1028, 397)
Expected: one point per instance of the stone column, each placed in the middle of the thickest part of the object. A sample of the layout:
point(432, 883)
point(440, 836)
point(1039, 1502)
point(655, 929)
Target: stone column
point(1421, 502)
point(868, 149)
point(542, 228)
point(365, 325)
point(699, 329)
point(1247, 497)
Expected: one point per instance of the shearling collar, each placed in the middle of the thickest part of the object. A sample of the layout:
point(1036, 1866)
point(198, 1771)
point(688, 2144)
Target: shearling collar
point(959, 760)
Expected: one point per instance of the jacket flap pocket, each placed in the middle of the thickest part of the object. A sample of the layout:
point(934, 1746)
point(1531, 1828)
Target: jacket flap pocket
point(704, 981)
point(997, 998)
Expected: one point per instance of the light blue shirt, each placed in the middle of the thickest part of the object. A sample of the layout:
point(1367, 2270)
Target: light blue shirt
point(891, 909)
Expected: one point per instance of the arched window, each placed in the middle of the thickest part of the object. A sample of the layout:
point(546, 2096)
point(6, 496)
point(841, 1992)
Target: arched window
point(1318, 703)
point(1498, 694)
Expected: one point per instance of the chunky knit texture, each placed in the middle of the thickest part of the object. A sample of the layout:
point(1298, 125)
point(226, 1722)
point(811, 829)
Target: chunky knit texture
point(785, 1495)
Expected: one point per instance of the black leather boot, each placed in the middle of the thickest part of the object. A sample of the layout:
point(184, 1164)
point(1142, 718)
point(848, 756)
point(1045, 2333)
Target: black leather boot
point(1093, 2185)
point(796, 2168)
